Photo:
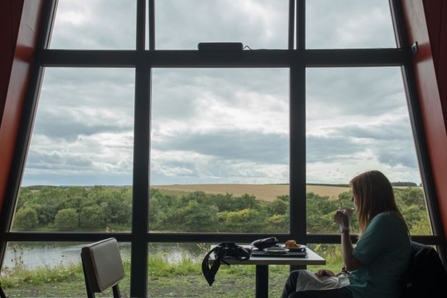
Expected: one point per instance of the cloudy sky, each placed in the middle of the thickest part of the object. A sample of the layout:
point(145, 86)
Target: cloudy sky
point(220, 125)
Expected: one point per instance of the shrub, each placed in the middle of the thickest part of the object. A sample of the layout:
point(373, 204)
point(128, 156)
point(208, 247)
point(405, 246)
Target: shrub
point(66, 219)
point(92, 217)
point(25, 219)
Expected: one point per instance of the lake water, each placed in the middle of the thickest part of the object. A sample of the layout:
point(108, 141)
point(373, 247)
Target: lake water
point(35, 255)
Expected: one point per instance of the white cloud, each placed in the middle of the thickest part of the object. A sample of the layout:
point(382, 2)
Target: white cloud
point(221, 125)
point(256, 23)
point(350, 24)
point(95, 24)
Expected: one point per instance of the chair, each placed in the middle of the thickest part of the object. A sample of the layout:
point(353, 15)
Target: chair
point(426, 274)
point(103, 267)
point(2, 293)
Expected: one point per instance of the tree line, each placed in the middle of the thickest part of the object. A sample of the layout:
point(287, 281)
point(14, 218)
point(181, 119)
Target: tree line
point(77, 208)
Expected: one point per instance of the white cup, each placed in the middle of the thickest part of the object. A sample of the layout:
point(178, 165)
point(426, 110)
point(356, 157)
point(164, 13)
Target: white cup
point(348, 211)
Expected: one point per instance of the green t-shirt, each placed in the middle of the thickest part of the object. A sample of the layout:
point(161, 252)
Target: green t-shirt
point(384, 249)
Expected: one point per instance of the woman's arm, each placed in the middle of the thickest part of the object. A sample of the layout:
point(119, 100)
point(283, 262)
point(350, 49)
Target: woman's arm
point(351, 263)
point(326, 272)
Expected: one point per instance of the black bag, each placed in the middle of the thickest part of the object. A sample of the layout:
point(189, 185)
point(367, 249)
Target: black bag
point(264, 243)
point(225, 250)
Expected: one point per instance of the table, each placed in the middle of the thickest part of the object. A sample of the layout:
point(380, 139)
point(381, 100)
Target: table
point(262, 269)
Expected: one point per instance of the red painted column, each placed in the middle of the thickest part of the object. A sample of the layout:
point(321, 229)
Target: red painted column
point(436, 15)
point(8, 34)
point(426, 24)
point(441, 68)
point(19, 20)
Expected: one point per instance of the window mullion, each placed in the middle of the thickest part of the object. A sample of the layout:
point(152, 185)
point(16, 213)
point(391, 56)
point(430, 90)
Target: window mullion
point(140, 199)
point(297, 152)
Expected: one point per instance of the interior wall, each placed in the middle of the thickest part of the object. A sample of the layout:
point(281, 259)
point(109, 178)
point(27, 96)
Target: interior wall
point(19, 20)
point(436, 15)
point(9, 29)
point(426, 23)
point(442, 64)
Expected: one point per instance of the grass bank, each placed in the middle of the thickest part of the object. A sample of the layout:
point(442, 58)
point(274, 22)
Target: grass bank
point(164, 280)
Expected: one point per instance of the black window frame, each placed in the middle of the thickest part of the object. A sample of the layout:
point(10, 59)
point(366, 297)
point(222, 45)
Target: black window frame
point(296, 58)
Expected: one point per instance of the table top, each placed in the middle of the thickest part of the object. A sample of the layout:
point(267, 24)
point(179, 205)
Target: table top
point(311, 258)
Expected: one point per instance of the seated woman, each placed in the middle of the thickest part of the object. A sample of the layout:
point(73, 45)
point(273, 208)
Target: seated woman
point(382, 253)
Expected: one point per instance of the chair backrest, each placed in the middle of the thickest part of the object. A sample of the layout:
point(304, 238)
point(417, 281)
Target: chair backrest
point(103, 267)
point(426, 274)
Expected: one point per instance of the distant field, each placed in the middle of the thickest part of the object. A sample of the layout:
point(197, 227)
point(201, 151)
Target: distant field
point(265, 192)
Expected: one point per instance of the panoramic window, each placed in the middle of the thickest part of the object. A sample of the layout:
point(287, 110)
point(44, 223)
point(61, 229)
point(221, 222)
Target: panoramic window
point(220, 142)
point(219, 150)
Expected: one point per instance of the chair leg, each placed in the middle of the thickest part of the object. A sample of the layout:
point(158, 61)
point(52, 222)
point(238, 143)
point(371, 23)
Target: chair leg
point(116, 291)
point(2, 293)
point(90, 294)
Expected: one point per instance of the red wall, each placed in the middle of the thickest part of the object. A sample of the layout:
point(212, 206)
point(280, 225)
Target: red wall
point(426, 22)
point(6, 51)
point(19, 23)
point(436, 15)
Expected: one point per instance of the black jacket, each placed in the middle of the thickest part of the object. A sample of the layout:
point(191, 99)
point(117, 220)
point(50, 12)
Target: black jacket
point(426, 274)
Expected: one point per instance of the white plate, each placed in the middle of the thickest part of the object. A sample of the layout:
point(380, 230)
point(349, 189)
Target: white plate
point(276, 250)
point(299, 248)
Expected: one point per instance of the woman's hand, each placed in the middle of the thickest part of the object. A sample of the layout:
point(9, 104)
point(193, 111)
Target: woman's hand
point(324, 272)
point(341, 218)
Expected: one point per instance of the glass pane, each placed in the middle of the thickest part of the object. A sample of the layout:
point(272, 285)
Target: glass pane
point(257, 24)
point(50, 269)
point(219, 150)
point(79, 165)
point(349, 24)
point(94, 25)
point(358, 122)
point(182, 262)
point(331, 253)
